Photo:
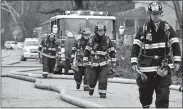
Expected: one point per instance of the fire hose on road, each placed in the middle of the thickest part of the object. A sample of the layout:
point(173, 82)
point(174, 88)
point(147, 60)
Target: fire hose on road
point(112, 80)
point(24, 74)
point(63, 95)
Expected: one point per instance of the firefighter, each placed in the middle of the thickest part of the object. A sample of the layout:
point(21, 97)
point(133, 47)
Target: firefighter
point(79, 48)
point(60, 64)
point(49, 46)
point(97, 52)
point(150, 57)
point(68, 48)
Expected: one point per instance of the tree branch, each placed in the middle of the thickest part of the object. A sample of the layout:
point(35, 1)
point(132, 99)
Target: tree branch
point(22, 11)
point(15, 12)
point(12, 14)
point(52, 11)
point(94, 5)
point(5, 9)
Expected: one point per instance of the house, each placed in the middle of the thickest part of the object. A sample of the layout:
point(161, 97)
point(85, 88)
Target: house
point(132, 19)
point(169, 14)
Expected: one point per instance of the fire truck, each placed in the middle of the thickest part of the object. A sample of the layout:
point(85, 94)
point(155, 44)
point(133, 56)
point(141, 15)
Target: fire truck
point(74, 21)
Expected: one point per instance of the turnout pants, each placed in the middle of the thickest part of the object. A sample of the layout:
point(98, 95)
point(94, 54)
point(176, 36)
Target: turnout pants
point(158, 84)
point(82, 71)
point(58, 67)
point(98, 74)
point(48, 65)
point(67, 65)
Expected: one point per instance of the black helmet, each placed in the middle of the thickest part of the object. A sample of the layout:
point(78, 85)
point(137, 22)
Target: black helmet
point(100, 26)
point(155, 7)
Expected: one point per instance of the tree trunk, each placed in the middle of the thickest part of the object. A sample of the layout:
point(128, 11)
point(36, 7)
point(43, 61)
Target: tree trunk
point(178, 15)
point(79, 4)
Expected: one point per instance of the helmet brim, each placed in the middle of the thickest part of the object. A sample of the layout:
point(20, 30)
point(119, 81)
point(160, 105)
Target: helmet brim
point(154, 12)
point(101, 29)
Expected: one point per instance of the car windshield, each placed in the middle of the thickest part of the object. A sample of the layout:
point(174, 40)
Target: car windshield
point(31, 43)
point(10, 42)
point(13, 42)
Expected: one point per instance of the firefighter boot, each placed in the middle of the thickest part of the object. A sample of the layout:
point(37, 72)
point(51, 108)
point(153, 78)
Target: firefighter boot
point(77, 86)
point(102, 95)
point(91, 92)
point(45, 74)
point(86, 88)
point(146, 107)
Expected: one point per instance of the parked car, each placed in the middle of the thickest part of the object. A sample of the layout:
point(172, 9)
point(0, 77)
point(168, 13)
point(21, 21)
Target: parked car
point(10, 45)
point(30, 49)
point(20, 45)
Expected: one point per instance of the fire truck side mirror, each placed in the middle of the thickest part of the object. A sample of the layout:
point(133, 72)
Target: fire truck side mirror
point(121, 30)
point(55, 29)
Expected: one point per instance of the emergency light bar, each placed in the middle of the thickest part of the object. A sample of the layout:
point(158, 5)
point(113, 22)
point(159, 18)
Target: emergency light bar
point(98, 13)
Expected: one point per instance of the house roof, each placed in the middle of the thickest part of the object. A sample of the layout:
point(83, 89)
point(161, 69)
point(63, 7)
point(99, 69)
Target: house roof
point(139, 12)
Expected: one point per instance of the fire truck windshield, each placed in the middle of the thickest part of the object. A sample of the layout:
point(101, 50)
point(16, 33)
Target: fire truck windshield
point(76, 24)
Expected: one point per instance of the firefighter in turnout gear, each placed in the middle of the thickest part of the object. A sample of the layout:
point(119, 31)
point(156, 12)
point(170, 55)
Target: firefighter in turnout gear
point(49, 46)
point(96, 55)
point(78, 53)
point(150, 57)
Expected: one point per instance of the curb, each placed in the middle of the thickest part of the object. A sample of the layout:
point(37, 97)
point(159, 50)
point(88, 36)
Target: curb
point(14, 63)
point(20, 66)
point(63, 95)
point(111, 80)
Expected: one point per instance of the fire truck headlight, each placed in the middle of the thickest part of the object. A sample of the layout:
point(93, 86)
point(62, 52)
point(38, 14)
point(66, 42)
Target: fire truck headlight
point(67, 12)
point(101, 13)
point(79, 12)
point(91, 12)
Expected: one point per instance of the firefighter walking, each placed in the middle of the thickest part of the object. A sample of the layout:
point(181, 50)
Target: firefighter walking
point(77, 57)
point(49, 47)
point(154, 40)
point(69, 42)
point(97, 52)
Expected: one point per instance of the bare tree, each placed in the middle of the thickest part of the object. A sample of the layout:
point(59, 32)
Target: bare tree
point(7, 7)
point(178, 12)
point(79, 4)
point(93, 3)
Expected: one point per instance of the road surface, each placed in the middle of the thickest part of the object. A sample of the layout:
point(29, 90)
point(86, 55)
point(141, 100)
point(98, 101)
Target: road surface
point(19, 93)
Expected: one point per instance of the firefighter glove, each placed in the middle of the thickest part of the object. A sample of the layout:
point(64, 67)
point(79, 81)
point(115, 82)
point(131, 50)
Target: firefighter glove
point(113, 65)
point(176, 66)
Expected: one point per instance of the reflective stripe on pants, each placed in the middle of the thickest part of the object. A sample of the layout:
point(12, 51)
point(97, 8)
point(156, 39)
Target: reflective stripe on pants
point(158, 84)
point(78, 75)
point(100, 74)
point(48, 64)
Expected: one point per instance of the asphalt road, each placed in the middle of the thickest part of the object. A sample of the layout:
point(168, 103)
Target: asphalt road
point(18, 93)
